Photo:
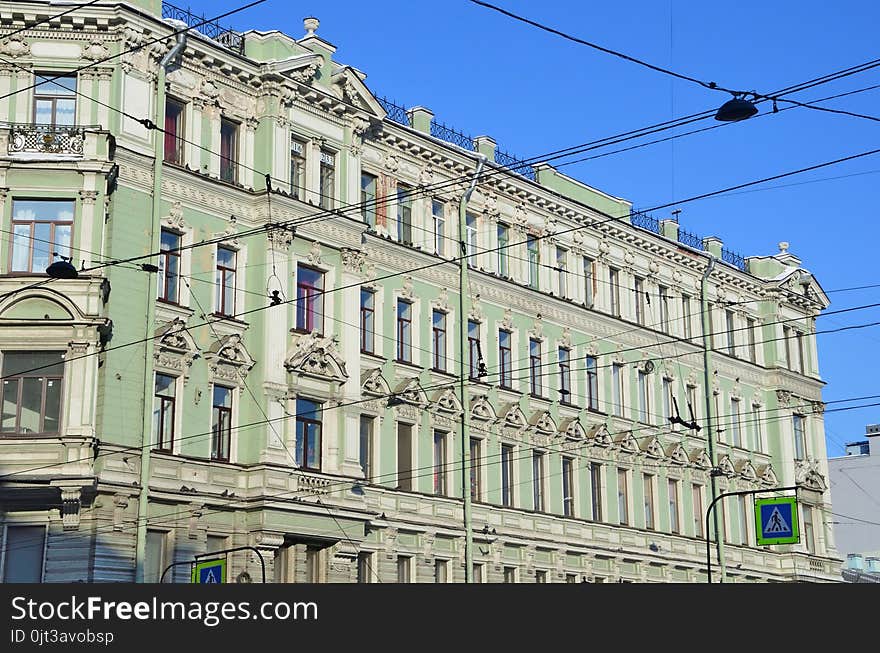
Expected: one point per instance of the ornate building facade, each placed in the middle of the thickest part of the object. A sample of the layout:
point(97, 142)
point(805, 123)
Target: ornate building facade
point(233, 367)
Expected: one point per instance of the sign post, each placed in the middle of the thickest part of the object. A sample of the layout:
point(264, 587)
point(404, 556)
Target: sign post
point(209, 571)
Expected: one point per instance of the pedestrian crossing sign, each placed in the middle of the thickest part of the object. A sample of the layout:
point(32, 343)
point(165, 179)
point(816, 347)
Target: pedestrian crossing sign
point(776, 521)
point(209, 571)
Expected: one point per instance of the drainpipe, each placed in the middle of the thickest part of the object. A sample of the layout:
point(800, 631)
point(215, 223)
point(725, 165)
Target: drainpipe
point(464, 372)
point(168, 63)
point(710, 418)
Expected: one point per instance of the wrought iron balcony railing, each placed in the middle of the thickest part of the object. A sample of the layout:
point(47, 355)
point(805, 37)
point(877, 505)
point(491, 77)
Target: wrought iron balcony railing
point(645, 221)
point(223, 35)
point(46, 139)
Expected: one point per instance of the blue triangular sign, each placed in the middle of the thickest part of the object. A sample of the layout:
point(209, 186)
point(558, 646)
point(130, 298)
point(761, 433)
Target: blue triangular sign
point(776, 523)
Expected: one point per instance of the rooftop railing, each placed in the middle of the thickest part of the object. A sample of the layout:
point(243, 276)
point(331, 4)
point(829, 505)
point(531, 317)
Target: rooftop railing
point(226, 37)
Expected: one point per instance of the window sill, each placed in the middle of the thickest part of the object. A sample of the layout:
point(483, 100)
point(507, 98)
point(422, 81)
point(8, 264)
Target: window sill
point(444, 372)
point(408, 363)
point(373, 355)
point(596, 411)
point(305, 332)
point(569, 405)
point(541, 397)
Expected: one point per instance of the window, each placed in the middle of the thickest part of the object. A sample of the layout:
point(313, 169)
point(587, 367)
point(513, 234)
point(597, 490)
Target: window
point(169, 267)
point(507, 475)
point(759, 430)
point(364, 567)
point(309, 299)
point(750, 333)
point(404, 563)
point(622, 497)
point(24, 549)
point(697, 494)
point(314, 564)
point(571, 578)
point(510, 574)
point(589, 281)
point(31, 395)
point(214, 543)
point(534, 261)
point(503, 242)
point(477, 571)
point(686, 316)
point(799, 336)
point(505, 358)
point(441, 571)
point(592, 383)
point(225, 281)
point(596, 491)
point(470, 228)
point(163, 412)
point(535, 367)
point(438, 330)
point(692, 401)
point(404, 456)
point(404, 331)
point(667, 402)
point(228, 150)
point(644, 398)
point(41, 229)
point(366, 446)
point(438, 214)
point(735, 429)
point(562, 271)
point(731, 333)
point(800, 444)
point(308, 434)
point(648, 482)
point(617, 389)
point(664, 309)
point(672, 495)
point(474, 354)
point(156, 555)
point(174, 130)
point(540, 576)
point(568, 486)
point(639, 288)
point(565, 376)
point(743, 514)
point(614, 282)
point(475, 457)
point(327, 180)
point(786, 336)
point(809, 532)
point(404, 214)
point(538, 481)
point(368, 198)
point(368, 311)
point(55, 101)
point(439, 463)
point(298, 169)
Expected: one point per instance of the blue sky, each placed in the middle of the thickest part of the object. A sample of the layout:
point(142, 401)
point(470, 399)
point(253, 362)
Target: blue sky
point(534, 92)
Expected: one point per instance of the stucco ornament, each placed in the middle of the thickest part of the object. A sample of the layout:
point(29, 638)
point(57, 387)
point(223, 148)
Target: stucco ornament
point(95, 49)
point(15, 47)
point(315, 355)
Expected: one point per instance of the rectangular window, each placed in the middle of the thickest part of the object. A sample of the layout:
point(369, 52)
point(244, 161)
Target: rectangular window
point(743, 514)
point(759, 429)
point(538, 481)
point(562, 271)
point(404, 563)
point(568, 486)
point(800, 443)
point(750, 333)
point(24, 549)
point(474, 353)
point(731, 333)
point(308, 434)
point(667, 402)
point(686, 316)
point(617, 389)
point(163, 412)
point(368, 198)
point(228, 150)
point(438, 331)
point(503, 242)
point(31, 392)
point(366, 446)
point(470, 227)
point(589, 281)
point(441, 571)
point(566, 396)
point(438, 213)
point(314, 564)
point(799, 337)
point(221, 423)
point(40, 230)
point(55, 101)
point(404, 456)
point(439, 463)
point(622, 497)
point(510, 574)
point(155, 556)
point(327, 180)
point(169, 267)
point(809, 532)
point(648, 482)
point(475, 460)
point(535, 386)
point(298, 169)
point(571, 578)
point(309, 299)
point(596, 491)
point(697, 494)
point(735, 428)
point(505, 358)
point(368, 316)
point(664, 309)
point(692, 402)
point(540, 576)
point(404, 213)
point(404, 331)
point(672, 492)
point(639, 288)
point(507, 475)
point(364, 567)
point(644, 398)
point(786, 337)
point(534, 261)
point(225, 281)
point(174, 130)
point(614, 283)
point(592, 383)
point(477, 572)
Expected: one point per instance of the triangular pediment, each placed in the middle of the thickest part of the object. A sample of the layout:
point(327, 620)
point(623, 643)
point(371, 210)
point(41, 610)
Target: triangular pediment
point(768, 476)
point(747, 470)
point(373, 383)
point(701, 459)
point(573, 429)
point(174, 337)
point(543, 422)
point(807, 475)
point(652, 447)
point(515, 418)
point(446, 401)
point(482, 409)
point(677, 454)
point(347, 83)
point(410, 391)
point(726, 467)
point(627, 442)
point(801, 282)
point(599, 435)
point(317, 356)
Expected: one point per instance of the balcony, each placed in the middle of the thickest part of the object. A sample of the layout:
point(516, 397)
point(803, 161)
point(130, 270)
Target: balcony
point(55, 142)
